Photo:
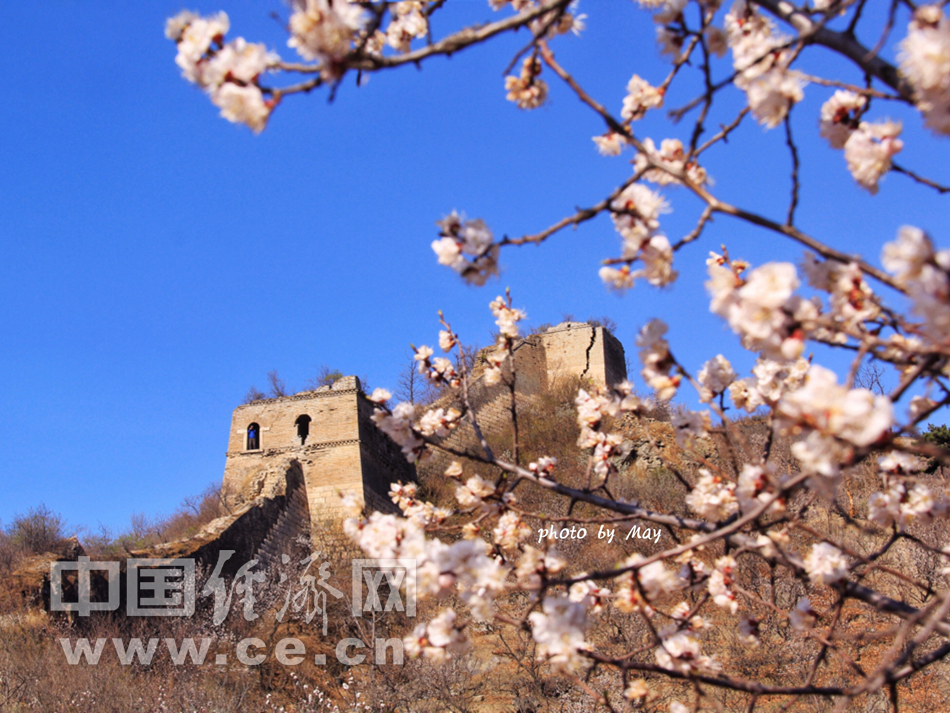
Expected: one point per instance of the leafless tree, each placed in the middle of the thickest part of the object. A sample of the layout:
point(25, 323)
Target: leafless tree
point(278, 387)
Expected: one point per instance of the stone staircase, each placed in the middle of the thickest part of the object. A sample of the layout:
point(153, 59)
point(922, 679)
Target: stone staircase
point(293, 522)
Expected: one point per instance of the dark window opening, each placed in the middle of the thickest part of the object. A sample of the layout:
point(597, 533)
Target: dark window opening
point(303, 428)
point(253, 437)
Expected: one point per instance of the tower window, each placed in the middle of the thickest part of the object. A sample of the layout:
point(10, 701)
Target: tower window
point(303, 428)
point(253, 437)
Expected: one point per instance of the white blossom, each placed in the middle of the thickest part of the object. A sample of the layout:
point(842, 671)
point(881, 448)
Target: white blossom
point(869, 149)
point(473, 491)
point(609, 144)
point(925, 62)
point(461, 237)
point(755, 488)
point(238, 61)
point(924, 274)
point(826, 564)
point(195, 36)
point(657, 360)
point(714, 378)
point(636, 214)
point(559, 631)
point(242, 105)
point(439, 640)
point(641, 96)
point(408, 23)
point(712, 497)
point(511, 530)
point(380, 395)
point(761, 66)
point(903, 507)
point(527, 90)
point(323, 30)
point(839, 116)
point(802, 617)
point(720, 581)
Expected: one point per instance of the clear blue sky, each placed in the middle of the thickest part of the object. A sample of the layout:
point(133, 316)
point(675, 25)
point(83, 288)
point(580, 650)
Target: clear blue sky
point(158, 260)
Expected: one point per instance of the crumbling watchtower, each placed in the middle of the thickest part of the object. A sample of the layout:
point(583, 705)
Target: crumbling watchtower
point(328, 432)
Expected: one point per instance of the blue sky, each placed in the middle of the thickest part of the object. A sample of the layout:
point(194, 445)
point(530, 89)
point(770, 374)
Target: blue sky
point(159, 260)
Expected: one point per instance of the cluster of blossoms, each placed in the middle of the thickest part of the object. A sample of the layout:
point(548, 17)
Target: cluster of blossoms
point(714, 378)
point(720, 581)
point(511, 531)
point(680, 650)
point(925, 63)
point(833, 416)
point(464, 567)
point(405, 495)
point(398, 424)
point(770, 379)
point(506, 318)
point(762, 307)
point(757, 484)
point(409, 22)
point(925, 274)
point(713, 497)
point(438, 370)
point(591, 409)
point(897, 504)
point(324, 30)
point(460, 237)
point(472, 493)
point(636, 212)
point(641, 96)
point(439, 422)
point(559, 631)
point(439, 640)
point(826, 564)
point(534, 565)
point(657, 360)
point(901, 507)
point(655, 163)
point(852, 301)
point(761, 59)
point(527, 90)
point(229, 73)
point(600, 402)
point(868, 148)
point(645, 584)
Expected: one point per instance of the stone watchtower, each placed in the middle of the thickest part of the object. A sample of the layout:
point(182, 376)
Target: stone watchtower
point(581, 349)
point(329, 434)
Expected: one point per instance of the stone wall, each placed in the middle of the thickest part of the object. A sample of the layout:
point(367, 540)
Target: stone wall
point(343, 451)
